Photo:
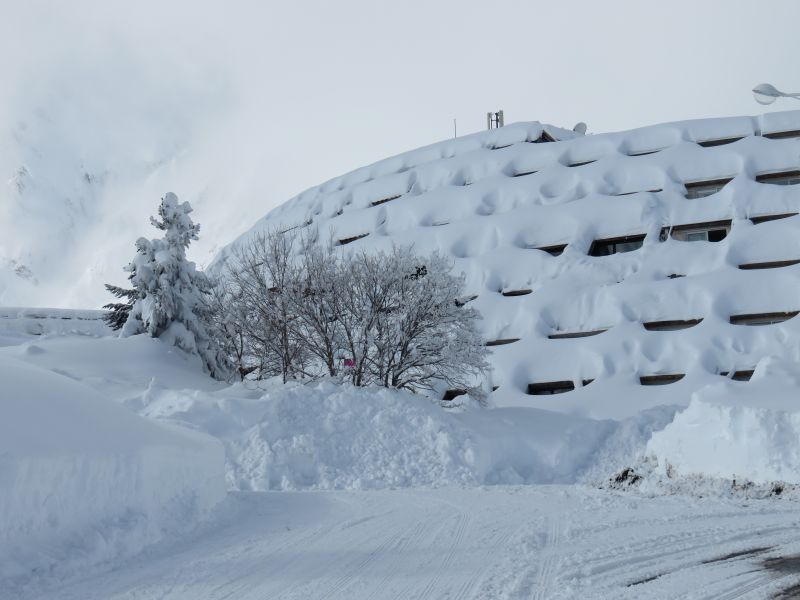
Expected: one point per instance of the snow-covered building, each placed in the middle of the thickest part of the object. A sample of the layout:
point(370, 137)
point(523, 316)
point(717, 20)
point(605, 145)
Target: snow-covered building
point(613, 271)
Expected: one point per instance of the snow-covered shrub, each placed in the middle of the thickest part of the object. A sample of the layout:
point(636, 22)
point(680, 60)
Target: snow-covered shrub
point(169, 294)
point(387, 318)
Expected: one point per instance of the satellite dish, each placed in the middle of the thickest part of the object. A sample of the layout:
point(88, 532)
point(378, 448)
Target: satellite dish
point(580, 128)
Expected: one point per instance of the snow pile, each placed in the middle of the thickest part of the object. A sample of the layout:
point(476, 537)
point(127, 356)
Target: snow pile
point(328, 436)
point(82, 479)
point(737, 432)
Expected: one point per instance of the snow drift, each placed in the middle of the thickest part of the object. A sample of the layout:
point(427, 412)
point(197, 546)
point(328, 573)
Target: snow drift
point(736, 431)
point(329, 436)
point(77, 469)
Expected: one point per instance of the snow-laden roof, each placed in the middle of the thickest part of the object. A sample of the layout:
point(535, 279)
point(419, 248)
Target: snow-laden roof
point(489, 200)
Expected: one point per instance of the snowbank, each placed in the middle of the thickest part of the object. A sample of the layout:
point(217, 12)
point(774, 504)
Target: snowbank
point(733, 430)
point(83, 479)
point(326, 436)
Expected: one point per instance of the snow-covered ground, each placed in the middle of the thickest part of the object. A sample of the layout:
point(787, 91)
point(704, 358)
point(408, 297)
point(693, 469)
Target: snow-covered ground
point(540, 542)
point(345, 493)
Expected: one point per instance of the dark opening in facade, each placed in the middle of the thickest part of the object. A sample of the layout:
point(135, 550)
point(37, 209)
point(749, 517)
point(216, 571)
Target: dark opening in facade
point(549, 388)
point(661, 379)
point(780, 178)
point(554, 250)
point(565, 335)
point(350, 240)
point(385, 200)
point(743, 375)
point(718, 142)
point(502, 342)
point(763, 318)
point(674, 325)
point(764, 218)
point(617, 245)
point(779, 135)
point(701, 189)
point(710, 231)
point(775, 264)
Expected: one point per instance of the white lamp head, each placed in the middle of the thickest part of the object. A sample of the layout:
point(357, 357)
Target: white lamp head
point(766, 93)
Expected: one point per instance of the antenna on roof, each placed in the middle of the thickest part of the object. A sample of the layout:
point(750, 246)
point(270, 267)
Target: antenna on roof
point(580, 128)
point(494, 120)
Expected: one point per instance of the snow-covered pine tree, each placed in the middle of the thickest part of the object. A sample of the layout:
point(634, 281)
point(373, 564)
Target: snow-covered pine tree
point(169, 291)
point(118, 311)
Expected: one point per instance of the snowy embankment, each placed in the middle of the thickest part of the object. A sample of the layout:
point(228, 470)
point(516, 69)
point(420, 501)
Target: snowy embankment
point(328, 436)
point(735, 431)
point(83, 480)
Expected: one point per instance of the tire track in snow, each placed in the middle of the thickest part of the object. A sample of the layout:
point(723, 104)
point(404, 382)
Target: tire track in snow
point(546, 574)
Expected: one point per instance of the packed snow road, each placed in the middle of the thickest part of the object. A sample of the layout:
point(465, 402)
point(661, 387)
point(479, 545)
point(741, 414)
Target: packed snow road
point(501, 542)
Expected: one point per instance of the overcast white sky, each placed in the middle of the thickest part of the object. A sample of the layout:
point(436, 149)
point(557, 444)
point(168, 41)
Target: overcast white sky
point(248, 103)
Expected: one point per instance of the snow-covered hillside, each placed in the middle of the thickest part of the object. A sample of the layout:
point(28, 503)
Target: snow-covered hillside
point(605, 266)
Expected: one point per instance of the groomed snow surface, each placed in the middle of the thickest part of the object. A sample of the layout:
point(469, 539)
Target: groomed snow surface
point(339, 492)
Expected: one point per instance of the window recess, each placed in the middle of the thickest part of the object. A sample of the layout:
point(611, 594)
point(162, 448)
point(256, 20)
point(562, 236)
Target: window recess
point(350, 240)
point(743, 375)
point(554, 250)
point(661, 379)
point(704, 188)
point(762, 318)
point(548, 388)
point(718, 141)
point(502, 342)
point(710, 231)
point(775, 264)
point(764, 218)
point(673, 325)
point(780, 178)
point(616, 245)
point(564, 335)
point(780, 135)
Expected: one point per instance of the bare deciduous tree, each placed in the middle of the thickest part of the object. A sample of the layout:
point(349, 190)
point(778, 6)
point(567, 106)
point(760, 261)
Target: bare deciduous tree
point(383, 318)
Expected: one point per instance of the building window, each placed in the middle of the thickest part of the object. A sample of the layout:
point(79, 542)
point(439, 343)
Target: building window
point(453, 394)
point(718, 142)
point(502, 342)
point(701, 189)
point(565, 335)
point(606, 247)
point(711, 231)
point(671, 325)
point(350, 240)
point(523, 292)
point(742, 375)
point(764, 218)
point(779, 135)
point(775, 264)
point(549, 388)
point(554, 250)
point(665, 379)
point(763, 318)
point(781, 178)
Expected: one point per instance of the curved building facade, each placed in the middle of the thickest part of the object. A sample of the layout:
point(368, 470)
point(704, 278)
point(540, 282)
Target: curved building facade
point(614, 272)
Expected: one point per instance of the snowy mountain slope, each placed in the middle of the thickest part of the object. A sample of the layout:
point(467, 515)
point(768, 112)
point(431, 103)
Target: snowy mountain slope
point(492, 200)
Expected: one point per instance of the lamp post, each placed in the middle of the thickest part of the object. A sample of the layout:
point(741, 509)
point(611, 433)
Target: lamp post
point(766, 93)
